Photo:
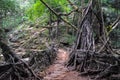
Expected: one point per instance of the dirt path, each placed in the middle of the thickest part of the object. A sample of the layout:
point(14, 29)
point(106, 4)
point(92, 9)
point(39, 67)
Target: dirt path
point(58, 71)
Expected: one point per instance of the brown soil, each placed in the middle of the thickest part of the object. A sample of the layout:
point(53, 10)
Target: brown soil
point(57, 71)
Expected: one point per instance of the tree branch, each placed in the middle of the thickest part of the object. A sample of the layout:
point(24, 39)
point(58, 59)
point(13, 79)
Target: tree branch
point(67, 14)
point(73, 26)
point(114, 25)
point(73, 5)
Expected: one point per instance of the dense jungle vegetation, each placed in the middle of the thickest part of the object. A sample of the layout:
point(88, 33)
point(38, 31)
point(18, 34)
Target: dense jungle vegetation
point(59, 39)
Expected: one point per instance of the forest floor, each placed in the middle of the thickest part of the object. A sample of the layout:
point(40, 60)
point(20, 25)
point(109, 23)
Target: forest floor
point(58, 70)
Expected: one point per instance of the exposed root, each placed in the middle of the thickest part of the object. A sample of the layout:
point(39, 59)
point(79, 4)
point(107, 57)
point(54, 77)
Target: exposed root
point(87, 58)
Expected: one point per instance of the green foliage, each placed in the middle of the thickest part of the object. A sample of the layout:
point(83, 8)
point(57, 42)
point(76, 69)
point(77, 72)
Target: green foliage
point(58, 5)
point(11, 21)
point(8, 10)
point(69, 38)
point(10, 13)
point(111, 10)
point(38, 9)
point(6, 6)
point(2, 34)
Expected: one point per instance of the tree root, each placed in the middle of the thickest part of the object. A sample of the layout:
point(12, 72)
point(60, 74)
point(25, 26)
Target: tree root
point(15, 68)
point(94, 59)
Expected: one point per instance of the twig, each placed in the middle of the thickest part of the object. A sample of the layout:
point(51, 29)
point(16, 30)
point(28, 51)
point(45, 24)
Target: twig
point(103, 46)
point(114, 24)
point(61, 14)
point(73, 5)
point(32, 72)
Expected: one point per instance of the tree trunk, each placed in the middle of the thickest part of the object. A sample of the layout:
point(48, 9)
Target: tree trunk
point(100, 62)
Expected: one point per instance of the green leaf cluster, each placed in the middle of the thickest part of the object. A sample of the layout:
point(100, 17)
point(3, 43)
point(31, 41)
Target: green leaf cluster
point(38, 9)
point(6, 6)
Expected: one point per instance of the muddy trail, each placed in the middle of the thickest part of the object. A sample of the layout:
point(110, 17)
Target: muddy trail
point(58, 70)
